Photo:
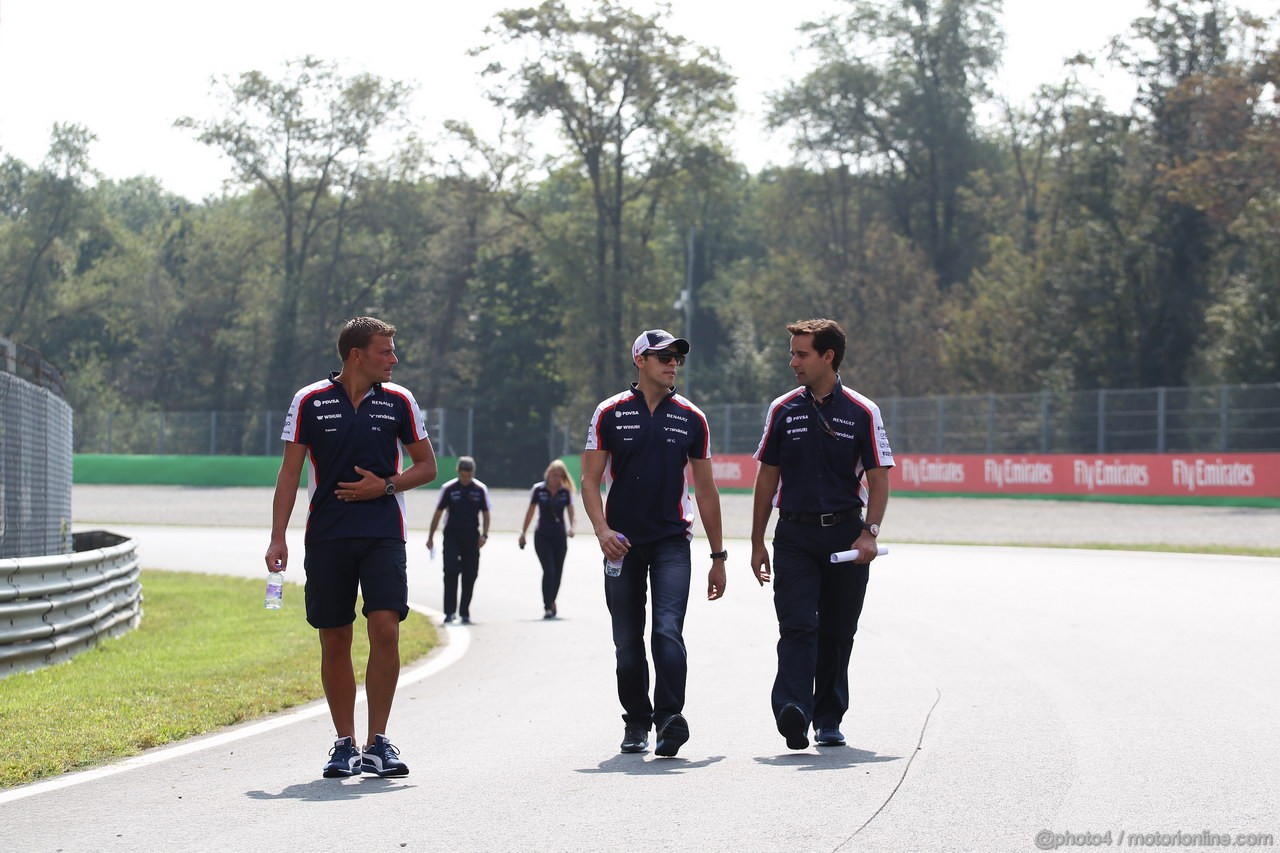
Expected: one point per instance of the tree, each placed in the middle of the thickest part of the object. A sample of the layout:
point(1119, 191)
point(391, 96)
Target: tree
point(898, 129)
point(632, 101)
point(306, 140)
point(44, 209)
point(518, 378)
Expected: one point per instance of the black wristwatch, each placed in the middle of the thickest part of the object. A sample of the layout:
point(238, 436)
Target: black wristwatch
point(391, 487)
point(719, 555)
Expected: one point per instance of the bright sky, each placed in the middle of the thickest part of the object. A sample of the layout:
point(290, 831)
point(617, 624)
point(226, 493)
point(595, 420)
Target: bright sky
point(126, 69)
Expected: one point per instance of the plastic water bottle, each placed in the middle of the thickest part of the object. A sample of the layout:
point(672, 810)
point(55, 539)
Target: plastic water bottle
point(613, 568)
point(275, 589)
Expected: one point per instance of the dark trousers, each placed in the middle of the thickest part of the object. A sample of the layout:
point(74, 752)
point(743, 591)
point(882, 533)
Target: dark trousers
point(818, 604)
point(665, 564)
point(461, 559)
point(550, 545)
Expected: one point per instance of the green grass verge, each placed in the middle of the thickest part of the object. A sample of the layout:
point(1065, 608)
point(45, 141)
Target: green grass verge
point(206, 655)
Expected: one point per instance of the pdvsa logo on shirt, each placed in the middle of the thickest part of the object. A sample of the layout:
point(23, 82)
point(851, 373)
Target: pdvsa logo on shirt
point(791, 418)
point(319, 403)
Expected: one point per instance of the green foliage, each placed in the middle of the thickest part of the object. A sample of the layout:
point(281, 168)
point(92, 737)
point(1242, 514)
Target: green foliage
point(519, 365)
point(206, 655)
point(633, 102)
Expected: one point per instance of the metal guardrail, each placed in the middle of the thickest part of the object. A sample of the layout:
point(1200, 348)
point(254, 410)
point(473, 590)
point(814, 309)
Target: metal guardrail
point(54, 607)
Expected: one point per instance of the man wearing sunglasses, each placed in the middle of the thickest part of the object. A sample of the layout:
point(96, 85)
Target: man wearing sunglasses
point(824, 458)
point(639, 442)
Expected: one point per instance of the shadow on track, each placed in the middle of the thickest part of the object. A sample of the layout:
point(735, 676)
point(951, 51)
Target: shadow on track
point(628, 765)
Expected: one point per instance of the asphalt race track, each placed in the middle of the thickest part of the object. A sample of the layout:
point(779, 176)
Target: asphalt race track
point(1004, 699)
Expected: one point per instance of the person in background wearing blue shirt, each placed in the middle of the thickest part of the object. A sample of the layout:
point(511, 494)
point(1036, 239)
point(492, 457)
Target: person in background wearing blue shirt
point(641, 440)
point(824, 458)
point(349, 429)
point(552, 498)
point(466, 500)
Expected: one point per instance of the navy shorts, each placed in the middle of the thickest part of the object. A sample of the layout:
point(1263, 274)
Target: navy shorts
point(336, 567)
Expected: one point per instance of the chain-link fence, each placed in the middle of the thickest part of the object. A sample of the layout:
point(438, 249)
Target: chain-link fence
point(1218, 418)
point(209, 433)
point(35, 456)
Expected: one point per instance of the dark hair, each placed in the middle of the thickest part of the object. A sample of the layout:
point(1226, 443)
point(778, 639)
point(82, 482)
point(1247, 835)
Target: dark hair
point(360, 332)
point(827, 335)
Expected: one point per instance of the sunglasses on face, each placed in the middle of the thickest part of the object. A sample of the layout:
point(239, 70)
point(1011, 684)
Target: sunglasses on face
point(666, 357)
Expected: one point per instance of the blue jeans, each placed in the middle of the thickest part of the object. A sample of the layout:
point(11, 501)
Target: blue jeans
point(666, 564)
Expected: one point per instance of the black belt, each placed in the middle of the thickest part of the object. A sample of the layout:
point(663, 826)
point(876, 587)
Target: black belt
point(826, 519)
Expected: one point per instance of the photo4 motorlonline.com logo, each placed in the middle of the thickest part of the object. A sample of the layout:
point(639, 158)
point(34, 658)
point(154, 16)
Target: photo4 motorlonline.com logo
point(1047, 839)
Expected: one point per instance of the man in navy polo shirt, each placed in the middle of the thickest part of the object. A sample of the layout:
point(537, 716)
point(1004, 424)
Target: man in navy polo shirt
point(641, 440)
point(824, 456)
point(348, 430)
point(466, 500)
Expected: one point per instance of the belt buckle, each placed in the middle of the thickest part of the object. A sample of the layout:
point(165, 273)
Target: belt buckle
point(828, 519)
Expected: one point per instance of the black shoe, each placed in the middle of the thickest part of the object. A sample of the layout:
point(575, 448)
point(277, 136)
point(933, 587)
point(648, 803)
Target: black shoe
point(449, 617)
point(828, 737)
point(344, 759)
point(548, 614)
point(382, 758)
point(672, 736)
point(466, 620)
point(793, 726)
point(635, 739)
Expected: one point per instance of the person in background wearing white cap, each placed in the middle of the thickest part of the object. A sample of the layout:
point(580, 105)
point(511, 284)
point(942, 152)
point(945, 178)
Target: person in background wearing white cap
point(642, 439)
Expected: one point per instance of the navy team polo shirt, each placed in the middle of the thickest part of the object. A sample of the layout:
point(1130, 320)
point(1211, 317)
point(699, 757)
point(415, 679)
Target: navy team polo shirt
point(551, 507)
point(463, 503)
point(339, 437)
point(822, 472)
point(648, 497)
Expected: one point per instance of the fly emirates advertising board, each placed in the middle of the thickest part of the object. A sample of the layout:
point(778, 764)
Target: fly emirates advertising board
point(1219, 475)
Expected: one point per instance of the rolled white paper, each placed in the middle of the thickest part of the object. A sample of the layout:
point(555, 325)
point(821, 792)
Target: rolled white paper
point(852, 556)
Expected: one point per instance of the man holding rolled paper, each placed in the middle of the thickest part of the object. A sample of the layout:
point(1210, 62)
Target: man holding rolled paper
point(824, 463)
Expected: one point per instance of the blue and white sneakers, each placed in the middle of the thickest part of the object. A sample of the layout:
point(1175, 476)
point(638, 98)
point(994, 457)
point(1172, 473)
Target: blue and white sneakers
point(382, 758)
point(344, 759)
